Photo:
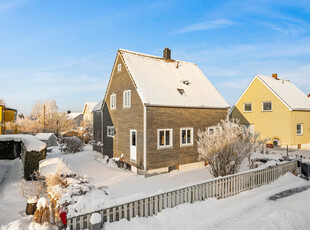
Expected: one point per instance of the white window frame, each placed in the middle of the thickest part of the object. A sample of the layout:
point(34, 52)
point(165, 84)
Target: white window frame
point(192, 136)
point(263, 106)
point(127, 104)
point(301, 129)
point(119, 67)
point(211, 127)
point(109, 128)
point(249, 103)
point(171, 139)
point(113, 101)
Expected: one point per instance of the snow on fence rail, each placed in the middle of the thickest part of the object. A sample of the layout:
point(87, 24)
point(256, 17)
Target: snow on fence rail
point(217, 188)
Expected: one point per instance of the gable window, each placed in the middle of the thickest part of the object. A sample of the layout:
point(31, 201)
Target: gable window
point(247, 107)
point(186, 136)
point(267, 106)
point(113, 101)
point(164, 138)
point(300, 129)
point(127, 98)
point(110, 131)
point(119, 68)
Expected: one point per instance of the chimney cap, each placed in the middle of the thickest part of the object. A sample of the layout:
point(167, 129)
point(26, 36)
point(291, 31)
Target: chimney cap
point(275, 76)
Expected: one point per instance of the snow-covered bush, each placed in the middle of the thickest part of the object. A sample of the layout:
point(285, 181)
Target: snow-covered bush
point(71, 145)
point(33, 189)
point(227, 147)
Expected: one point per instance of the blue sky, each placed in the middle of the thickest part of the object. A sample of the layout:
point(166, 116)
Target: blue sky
point(64, 50)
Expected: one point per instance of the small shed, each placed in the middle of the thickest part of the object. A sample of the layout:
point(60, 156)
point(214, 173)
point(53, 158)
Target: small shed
point(49, 138)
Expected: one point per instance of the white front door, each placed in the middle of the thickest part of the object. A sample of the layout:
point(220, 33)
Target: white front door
point(133, 145)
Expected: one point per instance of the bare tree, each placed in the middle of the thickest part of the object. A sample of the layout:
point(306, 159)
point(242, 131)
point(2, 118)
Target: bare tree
point(227, 147)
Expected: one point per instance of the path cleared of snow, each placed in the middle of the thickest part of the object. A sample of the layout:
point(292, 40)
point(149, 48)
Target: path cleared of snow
point(12, 204)
point(248, 210)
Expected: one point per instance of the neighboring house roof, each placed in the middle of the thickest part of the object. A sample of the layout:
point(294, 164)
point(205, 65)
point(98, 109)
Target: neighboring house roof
point(98, 107)
point(74, 115)
point(285, 91)
point(44, 136)
point(90, 105)
point(161, 82)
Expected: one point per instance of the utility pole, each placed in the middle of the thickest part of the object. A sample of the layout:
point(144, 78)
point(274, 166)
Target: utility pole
point(43, 118)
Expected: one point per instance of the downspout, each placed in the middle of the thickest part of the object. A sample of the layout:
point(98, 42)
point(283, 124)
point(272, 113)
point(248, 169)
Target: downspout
point(101, 147)
point(144, 137)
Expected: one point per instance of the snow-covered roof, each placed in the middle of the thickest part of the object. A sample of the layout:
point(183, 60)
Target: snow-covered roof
point(287, 92)
point(44, 136)
point(162, 82)
point(31, 142)
point(74, 115)
point(90, 105)
point(98, 106)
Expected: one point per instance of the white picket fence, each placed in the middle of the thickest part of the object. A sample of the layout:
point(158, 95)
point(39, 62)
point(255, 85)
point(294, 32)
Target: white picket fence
point(219, 188)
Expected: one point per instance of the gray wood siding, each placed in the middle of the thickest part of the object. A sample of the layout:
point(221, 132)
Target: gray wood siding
point(176, 118)
point(123, 119)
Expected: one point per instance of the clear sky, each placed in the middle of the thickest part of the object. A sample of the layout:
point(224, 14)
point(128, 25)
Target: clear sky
point(64, 50)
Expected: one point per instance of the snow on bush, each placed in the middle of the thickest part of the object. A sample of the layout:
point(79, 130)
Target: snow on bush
point(227, 147)
point(71, 145)
point(95, 218)
point(110, 162)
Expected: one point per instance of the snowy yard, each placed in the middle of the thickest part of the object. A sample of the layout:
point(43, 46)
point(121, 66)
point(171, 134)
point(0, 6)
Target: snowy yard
point(122, 185)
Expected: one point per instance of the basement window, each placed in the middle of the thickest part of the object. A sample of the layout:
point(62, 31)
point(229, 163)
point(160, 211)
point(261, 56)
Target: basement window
point(164, 138)
point(300, 129)
point(267, 106)
point(247, 107)
point(181, 91)
point(211, 130)
point(110, 131)
point(186, 136)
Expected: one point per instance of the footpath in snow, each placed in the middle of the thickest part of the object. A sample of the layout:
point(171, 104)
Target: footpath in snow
point(254, 209)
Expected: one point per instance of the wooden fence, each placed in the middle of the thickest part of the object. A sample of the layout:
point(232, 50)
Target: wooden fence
point(216, 188)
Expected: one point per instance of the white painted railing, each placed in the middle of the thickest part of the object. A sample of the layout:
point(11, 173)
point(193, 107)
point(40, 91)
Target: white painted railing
point(219, 188)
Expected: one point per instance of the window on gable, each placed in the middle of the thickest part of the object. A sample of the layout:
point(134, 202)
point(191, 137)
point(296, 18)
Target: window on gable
point(119, 68)
point(247, 107)
point(127, 98)
point(300, 129)
point(110, 131)
point(186, 136)
point(211, 130)
point(164, 137)
point(181, 91)
point(267, 106)
point(113, 101)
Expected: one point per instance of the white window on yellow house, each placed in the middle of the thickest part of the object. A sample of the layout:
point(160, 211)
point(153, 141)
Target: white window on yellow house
point(267, 106)
point(164, 138)
point(247, 107)
point(119, 68)
point(113, 101)
point(300, 129)
point(186, 136)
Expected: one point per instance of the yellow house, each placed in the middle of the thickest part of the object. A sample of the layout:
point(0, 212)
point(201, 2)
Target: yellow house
point(277, 109)
point(88, 112)
point(6, 115)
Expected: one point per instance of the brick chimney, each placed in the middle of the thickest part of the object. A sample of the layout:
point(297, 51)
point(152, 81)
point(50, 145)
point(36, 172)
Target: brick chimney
point(167, 53)
point(275, 76)
point(309, 95)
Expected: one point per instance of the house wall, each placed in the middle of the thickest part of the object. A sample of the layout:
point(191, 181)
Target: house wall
point(274, 124)
point(176, 118)
point(87, 115)
point(1, 120)
point(9, 115)
point(123, 119)
point(304, 118)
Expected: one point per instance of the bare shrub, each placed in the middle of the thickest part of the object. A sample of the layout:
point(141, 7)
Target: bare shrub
point(227, 147)
point(33, 188)
point(71, 145)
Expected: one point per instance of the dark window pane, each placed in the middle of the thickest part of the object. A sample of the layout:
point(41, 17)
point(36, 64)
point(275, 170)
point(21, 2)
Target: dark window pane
point(188, 136)
point(267, 106)
point(161, 137)
point(248, 107)
point(167, 137)
point(183, 136)
point(133, 136)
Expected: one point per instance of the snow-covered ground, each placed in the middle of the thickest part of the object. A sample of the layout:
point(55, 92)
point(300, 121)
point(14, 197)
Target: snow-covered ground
point(254, 209)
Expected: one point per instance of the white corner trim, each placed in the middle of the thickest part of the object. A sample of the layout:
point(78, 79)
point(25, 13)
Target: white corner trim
point(144, 137)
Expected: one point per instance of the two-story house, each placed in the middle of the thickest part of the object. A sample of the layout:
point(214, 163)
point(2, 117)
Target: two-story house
point(152, 110)
point(277, 109)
